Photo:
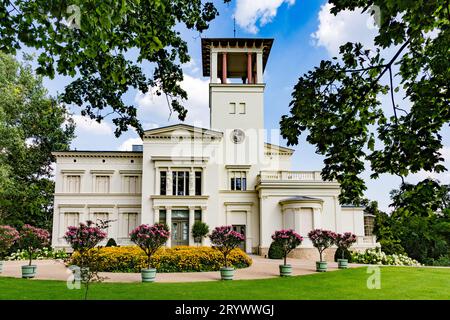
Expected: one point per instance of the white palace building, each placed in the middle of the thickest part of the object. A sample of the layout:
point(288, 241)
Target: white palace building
point(225, 175)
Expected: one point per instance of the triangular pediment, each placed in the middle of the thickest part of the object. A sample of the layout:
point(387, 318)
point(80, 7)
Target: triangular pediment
point(182, 131)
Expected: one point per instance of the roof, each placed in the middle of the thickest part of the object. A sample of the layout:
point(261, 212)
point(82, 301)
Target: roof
point(97, 153)
point(271, 146)
point(266, 43)
point(299, 199)
point(182, 127)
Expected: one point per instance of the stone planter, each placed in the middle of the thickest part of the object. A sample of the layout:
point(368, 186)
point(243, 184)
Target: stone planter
point(321, 266)
point(148, 275)
point(1, 266)
point(227, 273)
point(29, 272)
point(285, 270)
point(342, 263)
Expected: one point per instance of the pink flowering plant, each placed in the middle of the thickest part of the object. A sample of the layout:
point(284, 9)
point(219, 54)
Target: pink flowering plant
point(288, 240)
point(345, 241)
point(225, 240)
point(84, 237)
point(8, 236)
point(31, 239)
point(150, 238)
point(322, 239)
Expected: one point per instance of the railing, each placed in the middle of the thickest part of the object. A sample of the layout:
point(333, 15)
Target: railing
point(289, 176)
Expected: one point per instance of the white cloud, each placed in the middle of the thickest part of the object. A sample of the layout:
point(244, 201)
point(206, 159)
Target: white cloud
point(88, 125)
point(334, 31)
point(249, 12)
point(153, 108)
point(128, 144)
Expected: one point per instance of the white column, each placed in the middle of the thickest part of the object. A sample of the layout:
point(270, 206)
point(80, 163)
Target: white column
point(155, 215)
point(192, 182)
point(213, 67)
point(169, 182)
point(169, 224)
point(317, 224)
point(248, 232)
point(205, 241)
point(259, 68)
point(191, 223)
point(114, 229)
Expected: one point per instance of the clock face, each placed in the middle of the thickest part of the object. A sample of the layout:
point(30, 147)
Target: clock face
point(237, 136)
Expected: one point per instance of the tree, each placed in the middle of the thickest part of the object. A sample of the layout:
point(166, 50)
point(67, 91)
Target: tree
point(338, 103)
point(288, 240)
point(225, 240)
point(199, 231)
point(90, 42)
point(150, 239)
point(32, 126)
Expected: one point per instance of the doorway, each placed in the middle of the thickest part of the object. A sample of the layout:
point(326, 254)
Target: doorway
point(180, 232)
point(241, 229)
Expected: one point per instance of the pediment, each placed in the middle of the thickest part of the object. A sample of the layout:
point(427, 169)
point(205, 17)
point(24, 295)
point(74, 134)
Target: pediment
point(182, 131)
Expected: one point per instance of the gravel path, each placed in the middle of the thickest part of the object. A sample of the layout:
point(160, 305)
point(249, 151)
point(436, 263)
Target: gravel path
point(260, 269)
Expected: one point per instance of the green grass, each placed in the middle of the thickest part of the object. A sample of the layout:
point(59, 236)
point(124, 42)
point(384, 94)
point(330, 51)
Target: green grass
point(396, 283)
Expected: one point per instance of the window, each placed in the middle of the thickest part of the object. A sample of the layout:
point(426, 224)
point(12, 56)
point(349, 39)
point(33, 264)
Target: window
point(73, 184)
point(163, 183)
point(198, 215)
point(368, 225)
point(232, 108)
point(180, 183)
point(71, 219)
point(129, 223)
point(198, 183)
point(101, 217)
point(102, 184)
point(162, 216)
point(242, 108)
point(238, 180)
point(131, 184)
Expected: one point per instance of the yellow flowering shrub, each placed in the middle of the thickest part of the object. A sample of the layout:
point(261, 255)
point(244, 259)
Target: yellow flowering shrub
point(177, 259)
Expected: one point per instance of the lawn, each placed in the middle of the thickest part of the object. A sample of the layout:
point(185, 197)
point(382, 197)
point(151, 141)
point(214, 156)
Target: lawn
point(396, 283)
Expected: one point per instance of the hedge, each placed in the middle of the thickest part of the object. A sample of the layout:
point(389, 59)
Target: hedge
point(177, 259)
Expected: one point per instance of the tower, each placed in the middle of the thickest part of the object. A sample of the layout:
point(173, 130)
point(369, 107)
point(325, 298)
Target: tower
point(236, 90)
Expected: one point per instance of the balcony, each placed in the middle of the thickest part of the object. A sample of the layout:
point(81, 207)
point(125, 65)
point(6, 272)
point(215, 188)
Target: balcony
point(285, 176)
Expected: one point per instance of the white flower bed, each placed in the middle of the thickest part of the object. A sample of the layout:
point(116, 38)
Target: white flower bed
point(376, 256)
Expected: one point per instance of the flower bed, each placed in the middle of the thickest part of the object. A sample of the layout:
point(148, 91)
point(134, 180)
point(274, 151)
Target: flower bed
point(178, 259)
point(376, 256)
point(41, 254)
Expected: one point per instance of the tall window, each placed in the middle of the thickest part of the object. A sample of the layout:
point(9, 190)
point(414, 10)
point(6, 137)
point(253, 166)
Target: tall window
point(198, 183)
point(368, 224)
point(162, 216)
point(180, 183)
point(163, 183)
point(238, 180)
point(131, 184)
point(73, 184)
point(102, 184)
point(71, 219)
point(129, 223)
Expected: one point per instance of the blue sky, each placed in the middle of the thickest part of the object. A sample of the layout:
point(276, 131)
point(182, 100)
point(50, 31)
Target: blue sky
point(304, 32)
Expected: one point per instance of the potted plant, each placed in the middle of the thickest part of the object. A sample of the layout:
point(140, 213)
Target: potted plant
point(83, 239)
point(199, 231)
point(32, 239)
point(344, 242)
point(226, 240)
point(8, 236)
point(150, 239)
point(287, 240)
point(322, 239)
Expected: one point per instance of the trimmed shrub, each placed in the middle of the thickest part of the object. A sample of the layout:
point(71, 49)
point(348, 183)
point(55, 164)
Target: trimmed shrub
point(177, 259)
point(338, 254)
point(275, 251)
point(111, 243)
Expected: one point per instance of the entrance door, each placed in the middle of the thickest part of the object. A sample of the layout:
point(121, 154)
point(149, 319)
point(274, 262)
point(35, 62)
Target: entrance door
point(180, 232)
point(241, 229)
